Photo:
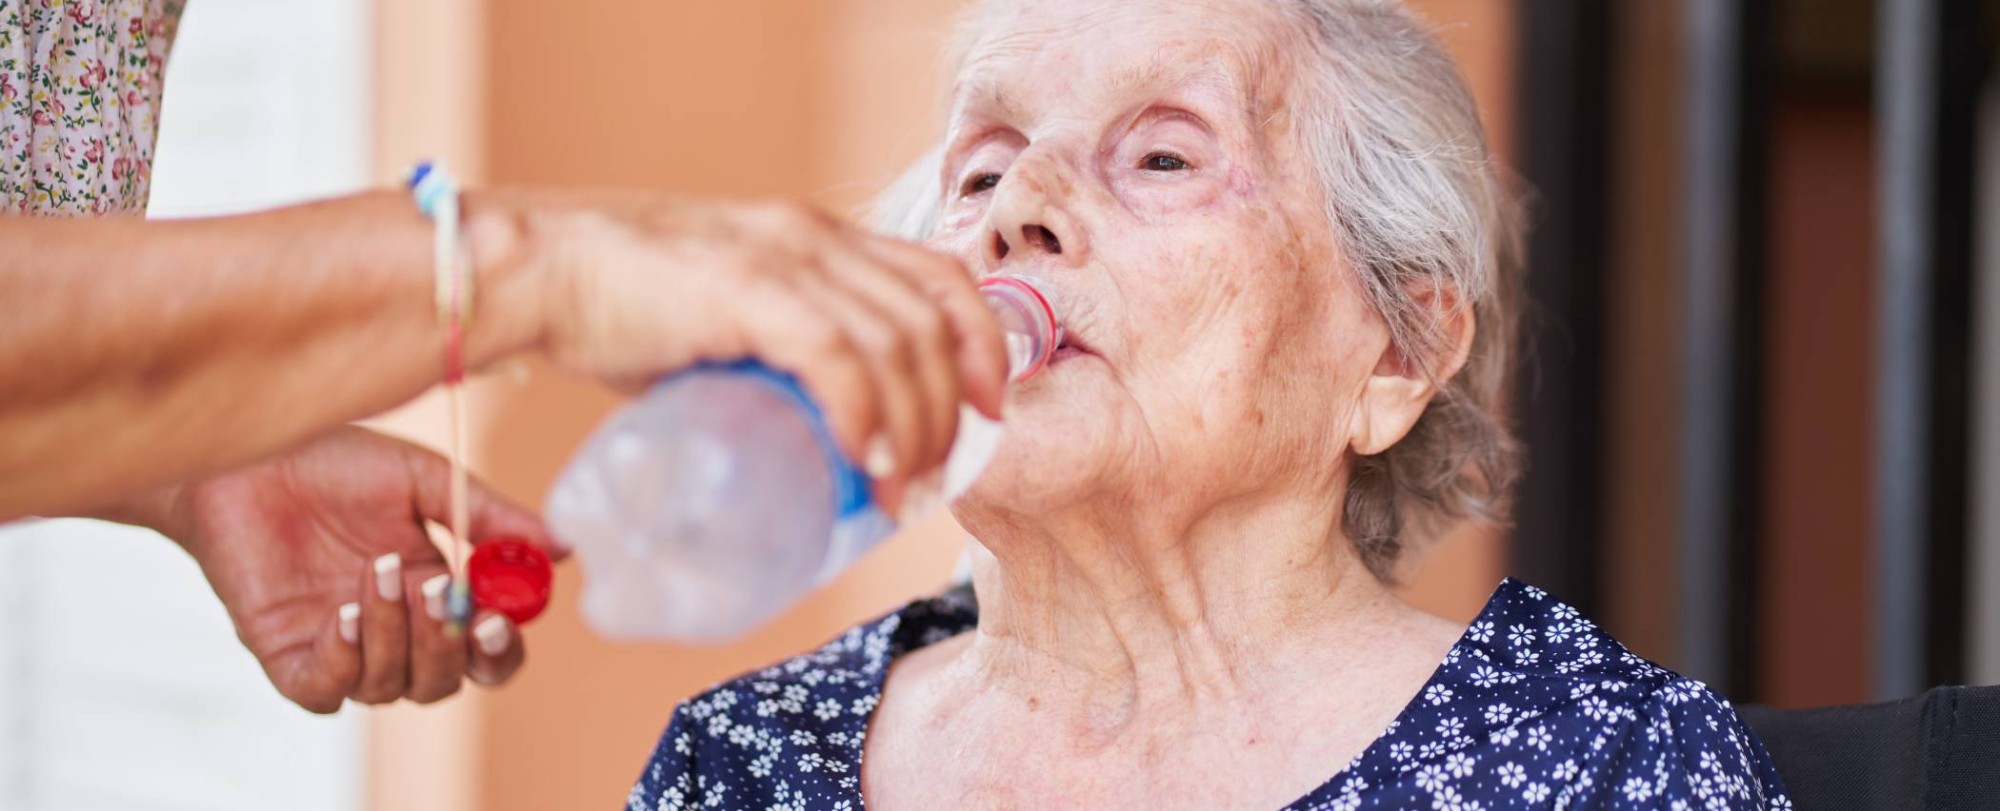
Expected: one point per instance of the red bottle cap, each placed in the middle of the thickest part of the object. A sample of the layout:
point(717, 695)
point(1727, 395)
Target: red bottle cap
point(511, 576)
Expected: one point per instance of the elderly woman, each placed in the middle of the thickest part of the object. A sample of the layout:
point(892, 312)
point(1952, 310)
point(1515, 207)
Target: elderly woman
point(1283, 259)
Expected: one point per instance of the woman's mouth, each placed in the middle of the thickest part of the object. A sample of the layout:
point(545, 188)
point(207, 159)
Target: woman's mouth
point(1070, 347)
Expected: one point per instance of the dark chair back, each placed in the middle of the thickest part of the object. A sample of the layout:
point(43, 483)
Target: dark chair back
point(1936, 752)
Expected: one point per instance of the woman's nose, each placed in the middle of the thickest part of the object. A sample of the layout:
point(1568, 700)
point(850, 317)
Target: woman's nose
point(1030, 217)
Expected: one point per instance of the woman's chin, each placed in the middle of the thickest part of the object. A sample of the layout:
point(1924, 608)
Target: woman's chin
point(1058, 435)
point(1029, 476)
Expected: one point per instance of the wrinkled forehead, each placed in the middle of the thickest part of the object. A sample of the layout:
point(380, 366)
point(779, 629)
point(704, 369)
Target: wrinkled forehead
point(1234, 51)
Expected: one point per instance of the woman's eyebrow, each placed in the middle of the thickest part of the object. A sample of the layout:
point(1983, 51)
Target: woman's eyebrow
point(989, 98)
point(983, 102)
point(1221, 73)
point(1171, 71)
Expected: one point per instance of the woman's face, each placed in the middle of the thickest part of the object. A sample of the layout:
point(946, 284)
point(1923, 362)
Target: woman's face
point(1137, 157)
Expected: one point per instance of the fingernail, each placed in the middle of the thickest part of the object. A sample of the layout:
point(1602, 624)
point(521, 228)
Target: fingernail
point(881, 461)
point(923, 497)
point(434, 595)
point(389, 576)
point(492, 635)
point(350, 622)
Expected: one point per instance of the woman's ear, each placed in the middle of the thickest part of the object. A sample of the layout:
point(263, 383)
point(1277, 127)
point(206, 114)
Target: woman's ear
point(1401, 387)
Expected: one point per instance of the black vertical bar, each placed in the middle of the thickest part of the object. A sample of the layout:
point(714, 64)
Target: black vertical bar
point(1963, 55)
point(1564, 88)
point(1722, 342)
point(1926, 114)
point(1981, 584)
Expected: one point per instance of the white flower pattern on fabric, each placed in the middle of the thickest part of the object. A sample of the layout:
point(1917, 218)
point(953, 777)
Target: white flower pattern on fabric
point(1534, 708)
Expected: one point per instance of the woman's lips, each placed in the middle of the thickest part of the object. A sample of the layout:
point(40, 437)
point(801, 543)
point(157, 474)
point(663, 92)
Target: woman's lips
point(1070, 348)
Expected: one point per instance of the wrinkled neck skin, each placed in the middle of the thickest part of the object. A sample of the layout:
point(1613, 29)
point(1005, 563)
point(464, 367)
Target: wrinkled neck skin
point(1118, 615)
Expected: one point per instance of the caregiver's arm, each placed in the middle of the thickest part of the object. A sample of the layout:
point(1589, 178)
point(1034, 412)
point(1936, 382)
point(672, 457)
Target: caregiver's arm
point(135, 354)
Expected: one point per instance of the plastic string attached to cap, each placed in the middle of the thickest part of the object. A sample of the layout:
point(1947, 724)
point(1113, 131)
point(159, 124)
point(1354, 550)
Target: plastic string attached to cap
point(508, 575)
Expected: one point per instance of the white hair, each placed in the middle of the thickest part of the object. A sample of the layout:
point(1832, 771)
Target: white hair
point(1420, 214)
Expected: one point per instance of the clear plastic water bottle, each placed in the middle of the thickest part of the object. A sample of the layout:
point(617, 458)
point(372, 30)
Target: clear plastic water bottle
point(717, 500)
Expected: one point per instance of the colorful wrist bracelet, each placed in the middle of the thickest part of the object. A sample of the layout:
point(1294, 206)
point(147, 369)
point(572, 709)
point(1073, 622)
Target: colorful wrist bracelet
point(436, 194)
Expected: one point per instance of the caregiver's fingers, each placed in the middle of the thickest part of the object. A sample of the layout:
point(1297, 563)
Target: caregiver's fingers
point(780, 324)
point(489, 514)
point(497, 651)
point(321, 682)
point(907, 332)
point(437, 659)
point(385, 633)
point(981, 348)
point(900, 446)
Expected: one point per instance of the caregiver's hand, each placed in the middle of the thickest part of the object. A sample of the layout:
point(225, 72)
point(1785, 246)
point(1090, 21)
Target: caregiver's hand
point(889, 337)
point(286, 543)
point(137, 354)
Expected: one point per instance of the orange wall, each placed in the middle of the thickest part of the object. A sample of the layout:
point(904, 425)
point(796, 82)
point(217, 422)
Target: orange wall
point(822, 99)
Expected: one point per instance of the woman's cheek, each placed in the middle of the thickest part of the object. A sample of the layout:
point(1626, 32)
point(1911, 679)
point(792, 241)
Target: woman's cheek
point(1155, 198)
point(1211, 292)
point(957, 218)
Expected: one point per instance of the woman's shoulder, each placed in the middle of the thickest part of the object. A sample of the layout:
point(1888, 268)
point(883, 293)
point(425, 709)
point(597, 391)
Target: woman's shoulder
point(1528, 631)
point(794, 728)
point(1536, 704)
point(1557, 663)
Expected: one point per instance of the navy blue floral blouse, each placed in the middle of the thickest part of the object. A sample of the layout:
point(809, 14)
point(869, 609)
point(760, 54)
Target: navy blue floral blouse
point(1534, 707)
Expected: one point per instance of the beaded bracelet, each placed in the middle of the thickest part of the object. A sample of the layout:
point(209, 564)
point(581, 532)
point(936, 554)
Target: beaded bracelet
point(436, 194)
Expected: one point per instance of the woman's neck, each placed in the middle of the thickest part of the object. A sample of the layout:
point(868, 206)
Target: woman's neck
point(1116, 622)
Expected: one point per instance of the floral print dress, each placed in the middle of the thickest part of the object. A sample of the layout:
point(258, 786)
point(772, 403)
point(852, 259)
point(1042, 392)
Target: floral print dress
point(79, 102)
point(1533, 708)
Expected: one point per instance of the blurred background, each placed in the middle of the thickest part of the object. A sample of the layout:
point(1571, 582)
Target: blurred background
point(1763, 406)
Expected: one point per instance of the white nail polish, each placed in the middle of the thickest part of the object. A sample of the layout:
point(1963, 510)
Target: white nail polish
point(881, 461)
point(492, 635)
point(350, 622)
point(389, 576)
point(433, 590)
point(924, 496)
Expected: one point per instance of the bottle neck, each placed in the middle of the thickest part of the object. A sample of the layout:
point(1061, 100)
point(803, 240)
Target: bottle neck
point(1028, 323)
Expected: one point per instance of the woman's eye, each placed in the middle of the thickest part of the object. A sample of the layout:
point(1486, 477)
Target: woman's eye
point(975, 184)
point(1163, 162)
